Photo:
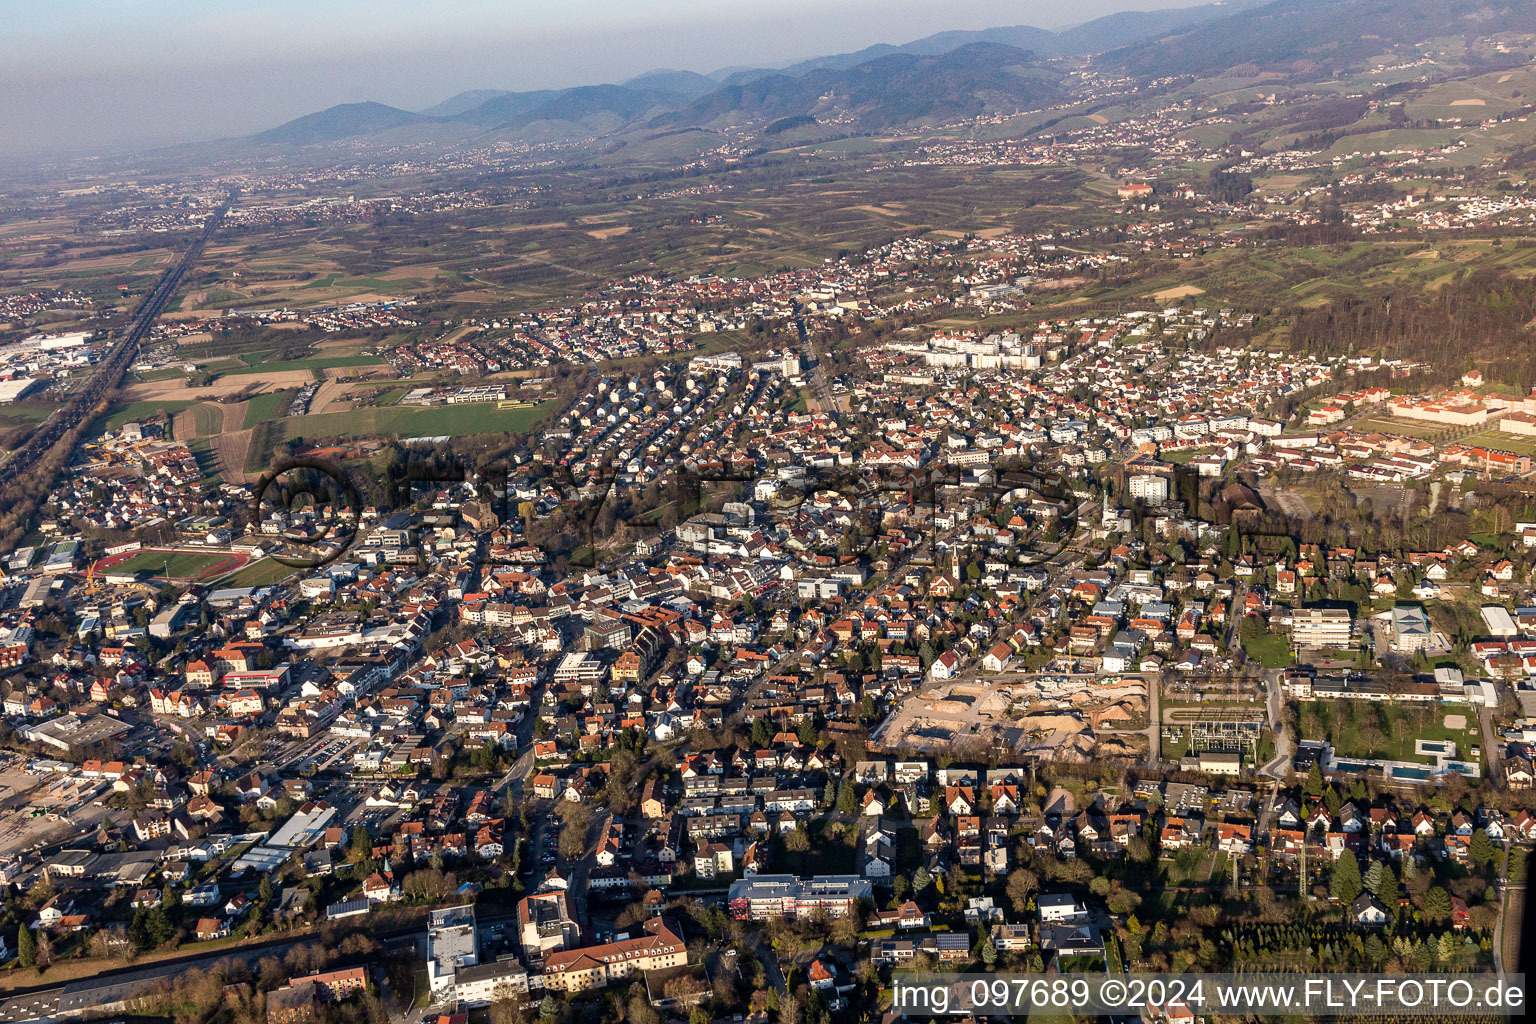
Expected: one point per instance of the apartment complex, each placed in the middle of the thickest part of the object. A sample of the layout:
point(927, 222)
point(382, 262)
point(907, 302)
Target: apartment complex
point(1321, 627)
point(296, 1001)
point(765, 896)
point(578, 970)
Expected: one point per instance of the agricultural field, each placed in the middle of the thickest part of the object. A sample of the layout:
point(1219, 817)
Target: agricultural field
point(311, 363)
point(269, 405)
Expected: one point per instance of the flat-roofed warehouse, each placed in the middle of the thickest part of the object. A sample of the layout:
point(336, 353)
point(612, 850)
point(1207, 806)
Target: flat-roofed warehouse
point(1500, 622)
point(14, 390)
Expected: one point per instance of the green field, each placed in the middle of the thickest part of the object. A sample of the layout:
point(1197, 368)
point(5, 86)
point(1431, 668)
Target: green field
point(134, 412)
point(19, 415)
point(268, 406)
point(1516, 443)
point(1272, 650)
point(169, 564)
point(208, 419)
point(415, 421)
point(258, 574)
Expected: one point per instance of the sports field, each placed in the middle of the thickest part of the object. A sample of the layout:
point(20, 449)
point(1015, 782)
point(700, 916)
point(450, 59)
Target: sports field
point(171, 564)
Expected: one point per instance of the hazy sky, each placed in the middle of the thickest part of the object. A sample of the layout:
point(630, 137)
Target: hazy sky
point(104, 74)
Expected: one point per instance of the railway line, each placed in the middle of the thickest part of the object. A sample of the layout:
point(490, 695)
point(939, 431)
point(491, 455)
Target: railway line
point(109, 372)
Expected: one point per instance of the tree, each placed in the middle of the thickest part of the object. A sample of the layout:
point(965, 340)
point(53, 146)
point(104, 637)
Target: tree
point(360, 848)
point(44, 951)
point(921, 880)
point(1314, 783)
point(1022, 884)
point(1437, 904)
point(985, 950)
point(157, 925)
point(1346, 878)
point(1373, 877)
point(1481, 850)
point(26, 947)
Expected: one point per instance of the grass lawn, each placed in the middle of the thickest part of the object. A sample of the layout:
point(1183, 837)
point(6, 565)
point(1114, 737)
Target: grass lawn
point(1272, 650)
point(164, 373)
point(1359, 729)
point(258, 574)
point(24, 415)
point(1502, 441)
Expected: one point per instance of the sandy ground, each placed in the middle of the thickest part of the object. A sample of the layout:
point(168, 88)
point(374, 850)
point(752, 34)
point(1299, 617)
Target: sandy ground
point(1424, 254)
point(607, 233)
point(1180, 292)
point(1473, 102)
point(876, 209)
point(1455, 721)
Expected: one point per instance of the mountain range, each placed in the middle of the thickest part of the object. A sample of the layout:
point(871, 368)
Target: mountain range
point(946, 76)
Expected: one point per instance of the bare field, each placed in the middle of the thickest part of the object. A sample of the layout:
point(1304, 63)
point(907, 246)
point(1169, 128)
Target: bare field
point(230, 450)
point(331, 397)
point(177, 389)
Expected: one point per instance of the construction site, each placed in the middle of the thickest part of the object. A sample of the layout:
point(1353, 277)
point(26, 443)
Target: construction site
point(1053, 718)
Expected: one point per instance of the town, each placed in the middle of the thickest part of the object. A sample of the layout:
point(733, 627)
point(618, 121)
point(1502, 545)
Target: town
point(602, 566)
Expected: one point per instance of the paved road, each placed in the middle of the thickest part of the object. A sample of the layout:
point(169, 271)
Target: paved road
point(819, 376)
point(518, 772)
point(1277, 766)
point(1490, 741)
point(770, 962)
